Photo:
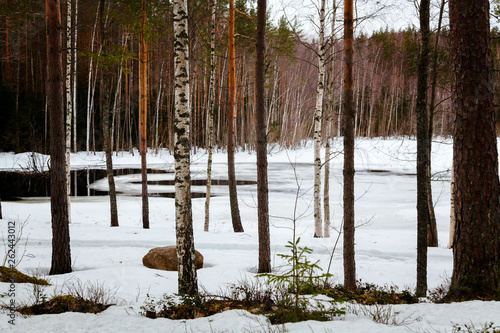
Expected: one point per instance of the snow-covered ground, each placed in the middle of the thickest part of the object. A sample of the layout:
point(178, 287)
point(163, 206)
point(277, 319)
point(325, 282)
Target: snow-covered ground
point(385, 240)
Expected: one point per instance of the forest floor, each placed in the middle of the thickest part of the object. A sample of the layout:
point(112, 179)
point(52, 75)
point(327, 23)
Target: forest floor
point(111, 258)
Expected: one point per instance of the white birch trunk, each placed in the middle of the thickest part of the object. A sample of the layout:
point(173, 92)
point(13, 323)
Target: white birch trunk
point(211, 100)
point(75, 69)
point(69, 104)
point(91, 87)
point(318, 232)
point(187, 276)
point(330, 108)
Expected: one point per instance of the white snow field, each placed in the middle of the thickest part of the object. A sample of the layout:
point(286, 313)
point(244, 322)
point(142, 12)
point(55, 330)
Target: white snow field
point(112, 257)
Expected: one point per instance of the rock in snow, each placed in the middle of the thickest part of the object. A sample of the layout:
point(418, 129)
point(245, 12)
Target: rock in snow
point(165, 258)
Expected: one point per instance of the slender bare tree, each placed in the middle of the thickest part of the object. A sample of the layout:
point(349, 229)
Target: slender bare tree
point(422, 150)
point(210, 114)
point(261, 129)
point(233, 195)
point(187, 278)
point(318, 115)
point(143, 111)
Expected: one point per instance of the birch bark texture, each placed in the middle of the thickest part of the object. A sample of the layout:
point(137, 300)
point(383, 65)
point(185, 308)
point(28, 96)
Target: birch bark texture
point(210, 114)
point(318, 114)
point(187, 276)
point(61, 253)
point(69, 103)
point(476, 243)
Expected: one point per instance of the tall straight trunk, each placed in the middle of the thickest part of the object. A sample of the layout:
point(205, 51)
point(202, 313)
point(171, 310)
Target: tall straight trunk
point(143, 110)
point(104, 107)
point(210, 114)
point(348, 126)
point(69, 103)
point(187, 276)
point(476, 244)
point(318, 114)
point(432, 233)
point(61, 252)
point(261, 130)
point(75, 70)
point(8, 69)
point(91, 86)
point(231, 173)
point(329, 114)
point(422, 151)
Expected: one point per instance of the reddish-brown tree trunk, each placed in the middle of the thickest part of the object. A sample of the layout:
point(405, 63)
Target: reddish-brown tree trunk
point(261, 129)
point(348, 127)
point(143, 110)
point(61, 253)
point(233, 196)
point(476, 244)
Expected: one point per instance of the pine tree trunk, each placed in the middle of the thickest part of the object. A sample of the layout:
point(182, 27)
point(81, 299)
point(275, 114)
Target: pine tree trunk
point(187, 278)
point(233, 195)
point(423, 218)
point(210, 114)
point(348, 122)
point(61, 252)
point(90, 91)
point(261, 130)
point(432, 234)
point(476, 245)
point(318, 114)
point(104, 107)
point(143, 110)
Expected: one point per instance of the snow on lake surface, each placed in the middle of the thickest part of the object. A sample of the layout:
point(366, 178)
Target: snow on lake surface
point(385, 240)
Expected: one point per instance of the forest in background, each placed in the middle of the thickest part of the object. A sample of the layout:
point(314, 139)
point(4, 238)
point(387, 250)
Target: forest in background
point(385, 76)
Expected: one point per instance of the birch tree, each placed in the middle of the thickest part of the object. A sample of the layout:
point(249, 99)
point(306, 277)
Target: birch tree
point(210, 114)
point(69, 103)
point(61, 252)
point(187, 276)
point(318, 114)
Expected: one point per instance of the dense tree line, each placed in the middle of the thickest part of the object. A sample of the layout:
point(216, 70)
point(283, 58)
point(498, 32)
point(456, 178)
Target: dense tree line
point(384, 72)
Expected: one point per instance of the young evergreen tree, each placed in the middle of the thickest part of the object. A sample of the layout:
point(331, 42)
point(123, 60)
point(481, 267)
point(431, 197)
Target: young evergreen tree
point(476, 244)
point(61, 252)
point(187, 278)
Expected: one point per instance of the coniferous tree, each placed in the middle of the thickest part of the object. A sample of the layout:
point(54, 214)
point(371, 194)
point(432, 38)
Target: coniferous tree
point(61, 253)
point(476, 244)
point(348, 126)
point(261, 129)
point(423, 216)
